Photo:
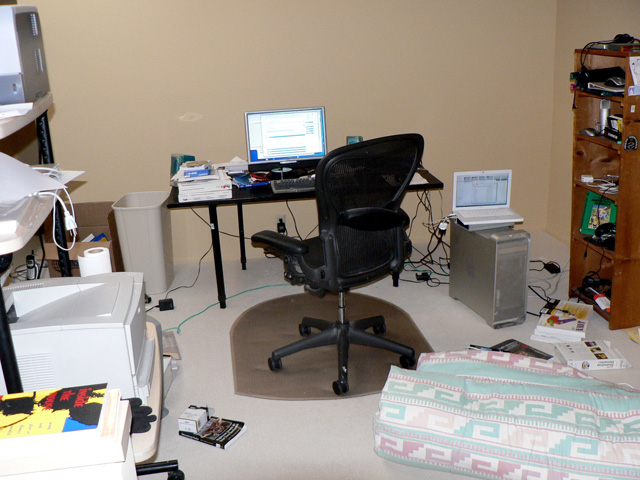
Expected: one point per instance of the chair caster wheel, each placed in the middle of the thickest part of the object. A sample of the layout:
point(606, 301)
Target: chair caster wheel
point(275, 365)
point(407, 361)
point(177, 475)
point(340, 387)
point(304, 330)
point(380, 329)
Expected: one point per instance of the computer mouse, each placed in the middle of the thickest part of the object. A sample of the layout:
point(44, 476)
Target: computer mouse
point(589, 132)
point(614, 82)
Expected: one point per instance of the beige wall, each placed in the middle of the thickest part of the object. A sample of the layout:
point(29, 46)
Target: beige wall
point(481, 80)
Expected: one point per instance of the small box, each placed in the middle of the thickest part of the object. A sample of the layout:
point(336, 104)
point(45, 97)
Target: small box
point(591, 355)
point(92, 218)
point(192, 420)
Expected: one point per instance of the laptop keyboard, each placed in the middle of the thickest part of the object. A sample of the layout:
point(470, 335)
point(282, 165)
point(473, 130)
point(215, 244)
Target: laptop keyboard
point(494, 212)
point(293, 185)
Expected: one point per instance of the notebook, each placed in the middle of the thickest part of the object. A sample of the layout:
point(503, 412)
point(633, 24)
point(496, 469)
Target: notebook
point(481, 199)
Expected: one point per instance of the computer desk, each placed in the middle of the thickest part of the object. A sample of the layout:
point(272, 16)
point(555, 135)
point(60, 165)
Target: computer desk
point(423, 180)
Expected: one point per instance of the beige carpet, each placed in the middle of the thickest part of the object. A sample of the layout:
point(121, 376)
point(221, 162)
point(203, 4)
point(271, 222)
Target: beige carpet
point(310, 374)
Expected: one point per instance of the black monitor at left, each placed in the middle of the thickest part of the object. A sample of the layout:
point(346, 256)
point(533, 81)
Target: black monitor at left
point(283, 140)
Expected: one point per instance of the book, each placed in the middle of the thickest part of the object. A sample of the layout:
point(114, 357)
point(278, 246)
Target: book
point(203, 197)
point(217, 431)
point(562, 321)
point(564, 307)
point(597, 210)
point(208, 184)
point(51, 411)
point(62, 428)
point(591, 355)
point(515, 346)
point(557, 328)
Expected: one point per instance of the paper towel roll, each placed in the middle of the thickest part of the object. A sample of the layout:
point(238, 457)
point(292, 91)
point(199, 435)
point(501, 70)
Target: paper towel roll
point(94, 261)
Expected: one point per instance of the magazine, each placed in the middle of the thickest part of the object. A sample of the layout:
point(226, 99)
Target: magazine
point(515, 346)
point(219, 432)
point(597, 210)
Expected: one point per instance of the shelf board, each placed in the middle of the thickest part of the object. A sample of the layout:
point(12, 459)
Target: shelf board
point(580, 238)
point(11, 125)
point(610, 196)
point(602, 141)
point(613, 98)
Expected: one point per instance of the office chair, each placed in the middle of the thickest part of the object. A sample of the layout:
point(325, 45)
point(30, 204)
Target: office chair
point(359, 188)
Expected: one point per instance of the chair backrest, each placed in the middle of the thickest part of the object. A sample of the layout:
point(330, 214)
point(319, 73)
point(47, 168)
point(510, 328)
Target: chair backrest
point(370, 176)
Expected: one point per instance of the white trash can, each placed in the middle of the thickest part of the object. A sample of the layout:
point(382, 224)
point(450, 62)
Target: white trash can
point(144, 230)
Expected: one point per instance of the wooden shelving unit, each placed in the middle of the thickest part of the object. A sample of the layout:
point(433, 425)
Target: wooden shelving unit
point(604, 158)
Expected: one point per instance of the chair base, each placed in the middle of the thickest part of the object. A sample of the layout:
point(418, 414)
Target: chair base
point(342, 333)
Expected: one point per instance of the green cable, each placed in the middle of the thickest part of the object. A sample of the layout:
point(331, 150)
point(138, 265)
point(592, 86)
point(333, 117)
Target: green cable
point(178, 329)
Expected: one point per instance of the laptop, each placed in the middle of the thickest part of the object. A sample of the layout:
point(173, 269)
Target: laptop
point(482, 199)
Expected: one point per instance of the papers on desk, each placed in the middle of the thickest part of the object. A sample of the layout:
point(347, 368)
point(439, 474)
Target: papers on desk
point(215, 186)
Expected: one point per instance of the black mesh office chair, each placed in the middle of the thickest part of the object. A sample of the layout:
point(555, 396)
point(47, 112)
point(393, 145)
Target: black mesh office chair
point(362, 237)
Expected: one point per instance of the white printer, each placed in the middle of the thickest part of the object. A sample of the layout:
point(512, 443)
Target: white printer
point(79, 330)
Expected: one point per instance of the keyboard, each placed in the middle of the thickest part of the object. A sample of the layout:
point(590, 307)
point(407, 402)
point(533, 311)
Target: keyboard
point(496, 212)
point(293, 185)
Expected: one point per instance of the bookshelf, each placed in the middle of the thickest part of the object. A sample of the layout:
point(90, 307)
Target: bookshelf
point(604, 158)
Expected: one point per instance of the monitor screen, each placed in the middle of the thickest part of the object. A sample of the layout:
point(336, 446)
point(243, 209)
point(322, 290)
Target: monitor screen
point(289, 138)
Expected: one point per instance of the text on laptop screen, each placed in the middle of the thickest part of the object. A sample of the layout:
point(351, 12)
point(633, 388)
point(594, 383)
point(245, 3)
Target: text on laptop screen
point(480, 190)
point(286, 136)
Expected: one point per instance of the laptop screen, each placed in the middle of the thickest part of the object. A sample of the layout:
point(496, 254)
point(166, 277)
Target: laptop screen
point(490, 189)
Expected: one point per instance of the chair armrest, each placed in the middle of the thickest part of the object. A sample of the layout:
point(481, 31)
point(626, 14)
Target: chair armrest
point(280, 243)
point(371, 219)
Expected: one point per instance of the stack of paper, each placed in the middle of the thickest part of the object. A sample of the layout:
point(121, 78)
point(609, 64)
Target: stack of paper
point(562, 321)
point(216, 185)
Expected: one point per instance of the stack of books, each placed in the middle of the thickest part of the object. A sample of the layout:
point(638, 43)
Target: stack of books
point(208, 184)
point(562, 321)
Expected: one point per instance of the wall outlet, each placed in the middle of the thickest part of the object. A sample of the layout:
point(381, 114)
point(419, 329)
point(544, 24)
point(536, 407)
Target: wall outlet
point(281, 224)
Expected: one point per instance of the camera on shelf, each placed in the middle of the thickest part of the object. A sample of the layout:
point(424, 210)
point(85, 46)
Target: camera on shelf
point(605, 236)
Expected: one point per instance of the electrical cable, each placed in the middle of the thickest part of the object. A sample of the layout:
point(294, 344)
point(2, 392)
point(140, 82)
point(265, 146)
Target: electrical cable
point(69, 217)
point(178, 329)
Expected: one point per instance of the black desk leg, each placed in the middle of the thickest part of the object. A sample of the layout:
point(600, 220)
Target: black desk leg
point(243, 252)
point(217, 255)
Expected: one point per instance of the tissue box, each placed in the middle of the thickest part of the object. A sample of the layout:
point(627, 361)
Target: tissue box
point(192, 420)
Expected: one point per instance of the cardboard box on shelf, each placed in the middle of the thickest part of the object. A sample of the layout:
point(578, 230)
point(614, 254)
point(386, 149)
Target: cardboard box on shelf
point(91, 218)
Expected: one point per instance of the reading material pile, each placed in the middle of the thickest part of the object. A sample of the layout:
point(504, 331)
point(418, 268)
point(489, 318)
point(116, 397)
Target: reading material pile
point(201, 182)
point(562, 321)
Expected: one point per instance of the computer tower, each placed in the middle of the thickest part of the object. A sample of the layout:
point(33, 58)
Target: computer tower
point(489, 271)
point(23, 69)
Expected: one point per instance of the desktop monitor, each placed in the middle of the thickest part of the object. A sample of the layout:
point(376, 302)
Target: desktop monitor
point(281, 140)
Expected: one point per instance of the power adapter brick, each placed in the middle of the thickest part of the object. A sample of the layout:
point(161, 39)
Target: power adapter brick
point(165, 304)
